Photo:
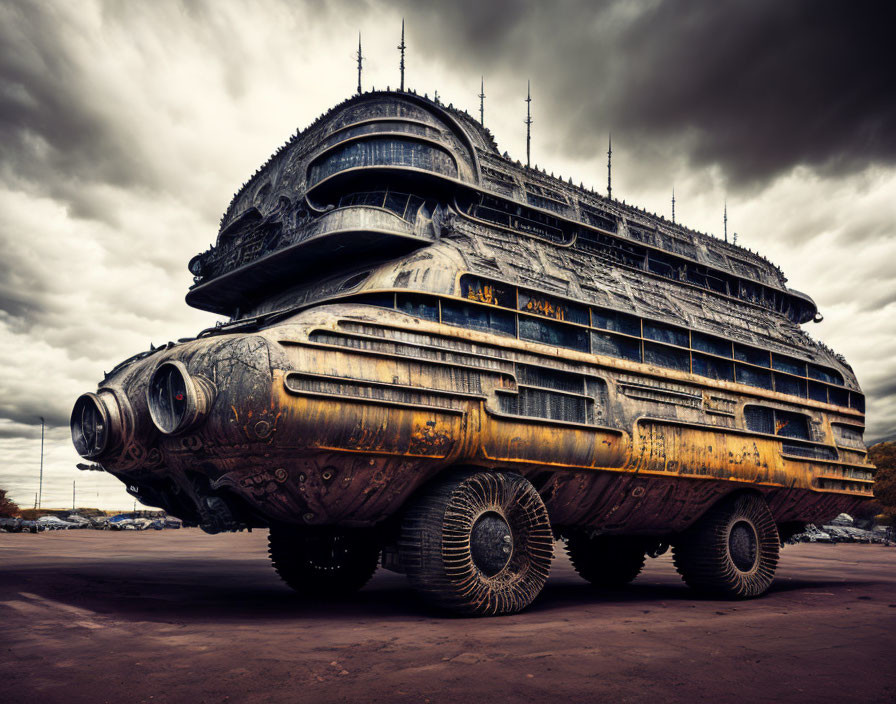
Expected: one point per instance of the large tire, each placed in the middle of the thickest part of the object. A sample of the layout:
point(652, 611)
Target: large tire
point(478, 544)
point(323, 562)
point(607, 561)
point(732, 551)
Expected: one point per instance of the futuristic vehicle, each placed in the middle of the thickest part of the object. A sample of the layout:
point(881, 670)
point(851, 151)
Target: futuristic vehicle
point(439, 359)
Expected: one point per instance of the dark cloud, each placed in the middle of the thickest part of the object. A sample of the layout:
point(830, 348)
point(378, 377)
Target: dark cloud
point(753, 87)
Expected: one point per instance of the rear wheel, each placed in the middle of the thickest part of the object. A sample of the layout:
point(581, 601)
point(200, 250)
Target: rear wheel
point(323, 562)
point(478, 544)
point(732, 551)
point(606, 560)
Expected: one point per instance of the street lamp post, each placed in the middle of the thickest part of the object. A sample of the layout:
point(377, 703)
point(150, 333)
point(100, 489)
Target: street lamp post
point(40, 489)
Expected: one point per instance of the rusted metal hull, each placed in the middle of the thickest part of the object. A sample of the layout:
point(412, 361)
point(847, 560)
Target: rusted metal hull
point(308, 431)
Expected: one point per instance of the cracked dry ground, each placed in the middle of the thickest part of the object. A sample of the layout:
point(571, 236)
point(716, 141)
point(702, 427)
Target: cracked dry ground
point(180, 616)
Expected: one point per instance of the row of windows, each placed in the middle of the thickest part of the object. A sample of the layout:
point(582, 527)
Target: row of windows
point(405, 205)
point(627, 252)
point(622, 336)
point(381, 151)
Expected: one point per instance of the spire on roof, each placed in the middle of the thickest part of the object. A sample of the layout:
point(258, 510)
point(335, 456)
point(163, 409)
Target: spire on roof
point(528, 121)
point(673, 204)
point(401, 48)
point(482, 101)
point(360, 60)
point(610, 166)
point(726, 219)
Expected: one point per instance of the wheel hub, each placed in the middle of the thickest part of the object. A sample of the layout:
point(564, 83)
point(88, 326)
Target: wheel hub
point(742, 546)
point(491, 543)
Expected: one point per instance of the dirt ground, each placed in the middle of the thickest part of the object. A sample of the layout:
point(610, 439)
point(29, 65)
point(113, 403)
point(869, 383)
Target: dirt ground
point(180, 616)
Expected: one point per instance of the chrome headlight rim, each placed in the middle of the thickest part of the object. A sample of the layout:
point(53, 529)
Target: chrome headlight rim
point(91, 425)
point(171, 414)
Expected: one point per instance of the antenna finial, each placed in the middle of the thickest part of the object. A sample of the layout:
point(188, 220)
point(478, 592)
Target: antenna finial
point(360, 60)
point(610, 167)
point(482, 101)
point(401, 48)
point(528, 122)
point(726, 219)
point(673, 204)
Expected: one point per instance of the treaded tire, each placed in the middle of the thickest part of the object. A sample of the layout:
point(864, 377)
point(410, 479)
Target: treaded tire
point(318, 562)
point(606, 561)
point(711, 557)
point(454, 560)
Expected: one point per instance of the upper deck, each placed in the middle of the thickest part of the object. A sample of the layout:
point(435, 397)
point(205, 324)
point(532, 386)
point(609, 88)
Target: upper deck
point(433, 163)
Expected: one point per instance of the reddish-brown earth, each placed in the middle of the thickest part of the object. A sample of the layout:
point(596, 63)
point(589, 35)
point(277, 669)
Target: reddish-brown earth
point(179, 616)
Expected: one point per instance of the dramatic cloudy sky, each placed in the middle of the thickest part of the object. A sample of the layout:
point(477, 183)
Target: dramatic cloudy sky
point(126, 126)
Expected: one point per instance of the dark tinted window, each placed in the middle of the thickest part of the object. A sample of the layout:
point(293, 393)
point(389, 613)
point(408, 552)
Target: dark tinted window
point(786, 384)
point(469, 315)
point(615, 321)
point(418, 306)
point(751, 355)
point(386, 300)
point(666, 333)
point(792, 425)
point(760, 419)
point(857, 401)
point(789, 365)
point(754, 377)
point(667, 357)
point(818, 392)
point(484, 291)
point(552, 307)
point(824, 374)
point(556, 334)
point(708, 343)
point(615, 346)
point(712, 367)
point(839, 397)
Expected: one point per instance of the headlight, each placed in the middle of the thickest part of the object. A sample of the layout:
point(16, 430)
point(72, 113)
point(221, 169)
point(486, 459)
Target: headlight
point(176, 400)
point(95, 424)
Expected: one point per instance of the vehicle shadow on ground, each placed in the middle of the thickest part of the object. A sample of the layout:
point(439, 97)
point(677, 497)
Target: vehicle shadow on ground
point(245, 591)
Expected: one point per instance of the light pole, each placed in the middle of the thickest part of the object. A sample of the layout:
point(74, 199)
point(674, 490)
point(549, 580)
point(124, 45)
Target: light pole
point(40, 488)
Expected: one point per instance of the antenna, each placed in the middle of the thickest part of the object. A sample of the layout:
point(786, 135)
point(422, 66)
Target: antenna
point(360, 60)
point(610, 167)
point(528, 122)
point(401, 48)
point(673, 204)
point(482, 101)
point(726, 219)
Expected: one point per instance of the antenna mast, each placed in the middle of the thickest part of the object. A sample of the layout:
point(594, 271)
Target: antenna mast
point(401, 48)
point(360, 60)
point(528, 122)
point(482, 102)
point(610, 167)
point(673, 204)
point(726, 219)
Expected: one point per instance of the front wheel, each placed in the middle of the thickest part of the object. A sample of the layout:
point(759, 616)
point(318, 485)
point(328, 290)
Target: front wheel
point(732, 551)
point(323, 562)
point(478, 544)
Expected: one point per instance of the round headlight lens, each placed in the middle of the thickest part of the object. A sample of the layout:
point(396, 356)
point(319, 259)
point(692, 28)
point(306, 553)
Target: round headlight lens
point(90, 426)
point(176, 401)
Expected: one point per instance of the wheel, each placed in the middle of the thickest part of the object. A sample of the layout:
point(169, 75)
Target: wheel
point(732, 551)
point(322, 562)
point(478, 544)
point(606, 560)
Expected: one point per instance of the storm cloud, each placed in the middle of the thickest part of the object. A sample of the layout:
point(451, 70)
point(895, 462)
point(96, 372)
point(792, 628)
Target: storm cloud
point(126, 127)
point(753, 87)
